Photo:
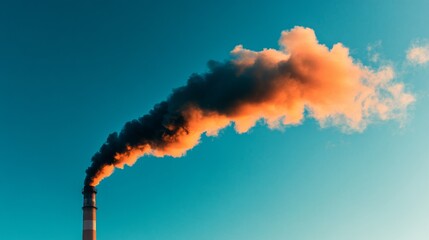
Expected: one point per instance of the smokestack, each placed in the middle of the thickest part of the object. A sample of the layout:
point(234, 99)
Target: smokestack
point(89, 213)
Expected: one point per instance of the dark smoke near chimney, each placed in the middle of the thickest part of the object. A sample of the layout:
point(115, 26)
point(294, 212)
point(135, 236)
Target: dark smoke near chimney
point(277, 86)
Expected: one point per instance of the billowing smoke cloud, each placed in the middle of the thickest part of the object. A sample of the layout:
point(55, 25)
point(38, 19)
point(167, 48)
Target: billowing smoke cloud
point(418, 54)
point(278, 86)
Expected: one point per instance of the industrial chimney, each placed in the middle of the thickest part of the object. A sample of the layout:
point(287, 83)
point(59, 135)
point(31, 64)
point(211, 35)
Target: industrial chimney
point(89, 211)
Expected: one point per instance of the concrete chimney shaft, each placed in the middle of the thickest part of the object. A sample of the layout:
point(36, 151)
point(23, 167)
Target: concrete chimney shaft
point(89, 213)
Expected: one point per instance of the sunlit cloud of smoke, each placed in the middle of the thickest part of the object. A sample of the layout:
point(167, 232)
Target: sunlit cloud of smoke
point(281, 87)
point(418, 54)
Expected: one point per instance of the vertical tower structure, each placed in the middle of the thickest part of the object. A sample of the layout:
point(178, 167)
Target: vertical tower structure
point(89, 213)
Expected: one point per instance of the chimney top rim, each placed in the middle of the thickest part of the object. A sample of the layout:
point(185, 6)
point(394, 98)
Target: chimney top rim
point(89, 189)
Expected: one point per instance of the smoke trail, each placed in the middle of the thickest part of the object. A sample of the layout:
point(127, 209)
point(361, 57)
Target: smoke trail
point(274, 85)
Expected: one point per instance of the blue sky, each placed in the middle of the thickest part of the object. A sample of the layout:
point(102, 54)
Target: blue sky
point(71, 72)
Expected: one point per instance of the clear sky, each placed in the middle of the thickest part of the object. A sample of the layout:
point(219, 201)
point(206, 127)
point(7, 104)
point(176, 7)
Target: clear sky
point(71, 72)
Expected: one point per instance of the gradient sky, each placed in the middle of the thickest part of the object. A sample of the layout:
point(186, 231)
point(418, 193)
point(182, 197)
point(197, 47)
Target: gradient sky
point(71, 72)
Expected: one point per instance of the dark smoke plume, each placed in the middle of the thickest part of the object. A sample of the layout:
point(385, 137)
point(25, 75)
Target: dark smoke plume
point(274, 85)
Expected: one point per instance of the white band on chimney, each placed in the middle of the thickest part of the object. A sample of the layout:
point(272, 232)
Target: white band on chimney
point(89, 225)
